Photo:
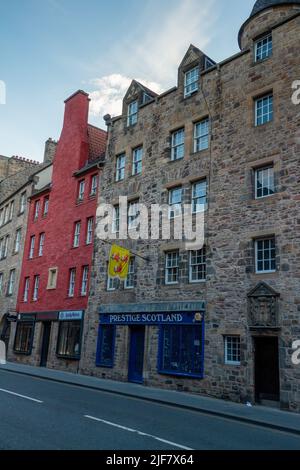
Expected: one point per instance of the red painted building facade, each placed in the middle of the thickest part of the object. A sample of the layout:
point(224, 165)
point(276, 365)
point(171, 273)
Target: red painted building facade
point(53, 291)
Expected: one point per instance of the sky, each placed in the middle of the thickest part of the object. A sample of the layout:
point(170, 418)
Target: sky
point(51, 48)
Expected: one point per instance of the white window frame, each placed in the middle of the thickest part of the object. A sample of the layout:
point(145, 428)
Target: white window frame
point(130, 279)
point(6, 214)
point(94, 185)
point(81, 190)
point(11, 282)
point(191, 84)
point(116, 219)
point(35, 296)
point(41, 244)
point(111, 284)
point(269, 113)
point(197, 208)
point(6, 246)
point(226, 348)
point(264, 271)
point(270, 184)
point(90, 231)
point(85, 281)
point(259, 45)
point(2, 248)
point(37, 209)
point(172, 266)
point(202, 255)
point(120, 167)
point(77, 230)
point(178, 144)
point(1, 282)
point(11, 210)
point(175, 208)
point(46, 206)
point(22, 203)
point(26, 289)
point(31, 248)
point(132, 113)
point(72, 282)
point(133, 215)
point(201, 135)
point(137, 161)
point(18, 240)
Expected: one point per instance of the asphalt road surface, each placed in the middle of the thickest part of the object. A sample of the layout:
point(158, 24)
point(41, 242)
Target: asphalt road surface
point(37, 414)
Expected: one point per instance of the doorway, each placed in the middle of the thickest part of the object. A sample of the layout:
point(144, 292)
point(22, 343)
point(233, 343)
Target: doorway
point(45, 344)
point(267, 382)
point(136, 354)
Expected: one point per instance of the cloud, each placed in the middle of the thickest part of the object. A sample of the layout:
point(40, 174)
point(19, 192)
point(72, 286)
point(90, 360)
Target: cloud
point(167, 36)
point(110, 91)
point(153, 50)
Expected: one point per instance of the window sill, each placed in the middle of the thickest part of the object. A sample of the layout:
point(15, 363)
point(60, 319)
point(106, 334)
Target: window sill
point(263, 126)
point(190, 95)
point(176, 160)
point(182, 374)
point(106, 366)
point(22, 353)
point(68, 358)
point(261, 61)
point(194, 154)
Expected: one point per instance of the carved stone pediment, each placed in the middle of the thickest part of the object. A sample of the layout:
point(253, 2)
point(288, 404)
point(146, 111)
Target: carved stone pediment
point(263, 307)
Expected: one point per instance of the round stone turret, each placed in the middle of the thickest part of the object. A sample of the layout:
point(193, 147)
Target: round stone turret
point(264, 15)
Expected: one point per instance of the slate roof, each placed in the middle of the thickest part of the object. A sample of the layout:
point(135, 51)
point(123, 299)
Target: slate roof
point(97, 142)
point(261, 5)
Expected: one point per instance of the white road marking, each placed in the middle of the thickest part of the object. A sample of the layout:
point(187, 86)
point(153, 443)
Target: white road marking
point(21, 396)
point(138, 432)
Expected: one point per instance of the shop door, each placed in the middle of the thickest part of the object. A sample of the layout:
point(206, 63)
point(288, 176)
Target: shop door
point(267, 385)
point(45, 343)
point(136, 354)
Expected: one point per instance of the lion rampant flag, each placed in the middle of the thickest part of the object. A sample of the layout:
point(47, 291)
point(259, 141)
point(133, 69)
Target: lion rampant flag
point(118, 262)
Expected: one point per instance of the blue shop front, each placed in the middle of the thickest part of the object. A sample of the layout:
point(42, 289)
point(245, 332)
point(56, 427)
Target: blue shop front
point(135, 339)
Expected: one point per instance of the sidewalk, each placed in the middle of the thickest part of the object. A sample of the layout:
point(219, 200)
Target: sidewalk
point(256, 415)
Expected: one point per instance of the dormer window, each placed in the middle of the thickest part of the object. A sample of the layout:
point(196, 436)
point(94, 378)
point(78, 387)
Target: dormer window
point(132, 113)
point(191, 81)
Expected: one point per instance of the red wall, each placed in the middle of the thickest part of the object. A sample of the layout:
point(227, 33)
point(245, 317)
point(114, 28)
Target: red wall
point(71, 155)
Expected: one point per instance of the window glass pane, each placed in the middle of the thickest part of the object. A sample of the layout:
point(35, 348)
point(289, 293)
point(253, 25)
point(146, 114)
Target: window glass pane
point(69, 339)
point(264, 48)
point(232, 350)
point(106, 346)
point(23, 338)
point(182, 349)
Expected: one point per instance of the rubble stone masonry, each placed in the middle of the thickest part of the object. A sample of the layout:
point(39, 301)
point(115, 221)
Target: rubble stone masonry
point(234, 218)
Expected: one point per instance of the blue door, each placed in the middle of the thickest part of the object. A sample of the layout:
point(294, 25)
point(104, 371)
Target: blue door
point(136, 354)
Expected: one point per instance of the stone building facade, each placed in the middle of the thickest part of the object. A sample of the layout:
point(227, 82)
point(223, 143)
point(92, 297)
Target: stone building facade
point(221, 321)
point(15, 190)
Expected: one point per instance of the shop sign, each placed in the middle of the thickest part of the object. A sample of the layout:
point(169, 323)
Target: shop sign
point(152, 318)
point(71, 315)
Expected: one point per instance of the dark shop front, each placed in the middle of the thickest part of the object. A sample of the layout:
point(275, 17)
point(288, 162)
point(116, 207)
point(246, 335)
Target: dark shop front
point(42, 336)
point(140, 341)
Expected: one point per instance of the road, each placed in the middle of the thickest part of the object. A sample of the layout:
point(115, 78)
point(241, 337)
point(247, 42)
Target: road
point(37, 414)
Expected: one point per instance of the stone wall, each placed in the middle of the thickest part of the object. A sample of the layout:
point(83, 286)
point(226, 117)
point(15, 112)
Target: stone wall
point(234, 218)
